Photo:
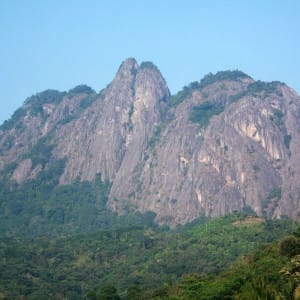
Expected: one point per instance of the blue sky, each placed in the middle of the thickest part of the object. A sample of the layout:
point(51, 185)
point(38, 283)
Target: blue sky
point(62, 43)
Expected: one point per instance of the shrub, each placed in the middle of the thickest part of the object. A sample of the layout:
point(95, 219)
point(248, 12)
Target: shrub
point(148, 65)
point(87, 101)
point(81, 89)
point(287, 140)
point(202, 113)
point(290, 246)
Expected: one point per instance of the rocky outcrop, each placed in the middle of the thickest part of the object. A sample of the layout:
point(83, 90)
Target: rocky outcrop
point(111, 135)
point(240, 161)
point(226, 143)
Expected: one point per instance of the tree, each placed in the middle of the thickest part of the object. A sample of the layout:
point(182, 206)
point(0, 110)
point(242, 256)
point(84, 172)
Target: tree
point(290, 246)
point(108, 292)
point(134, 293)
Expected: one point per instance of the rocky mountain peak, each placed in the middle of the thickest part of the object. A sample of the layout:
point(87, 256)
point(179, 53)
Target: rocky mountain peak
point(224, 143)
point(110, 137)
point(128, 67)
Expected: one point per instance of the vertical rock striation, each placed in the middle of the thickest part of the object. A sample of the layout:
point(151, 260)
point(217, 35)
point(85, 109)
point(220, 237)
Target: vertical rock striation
point(227, 143)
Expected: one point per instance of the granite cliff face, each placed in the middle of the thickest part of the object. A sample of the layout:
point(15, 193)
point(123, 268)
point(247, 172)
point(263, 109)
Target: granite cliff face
point(109, 137)
point(225, 143)
point(246, 158)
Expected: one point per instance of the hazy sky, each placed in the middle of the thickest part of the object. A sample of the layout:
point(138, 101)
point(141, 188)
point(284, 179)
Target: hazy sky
point(62, 43)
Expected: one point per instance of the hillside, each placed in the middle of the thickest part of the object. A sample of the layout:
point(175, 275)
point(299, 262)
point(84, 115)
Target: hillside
point(272, 272)
point(134, 258)
point(223, 144)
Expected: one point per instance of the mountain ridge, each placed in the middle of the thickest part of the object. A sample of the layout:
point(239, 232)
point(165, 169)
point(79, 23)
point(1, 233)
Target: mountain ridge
point(226, 143)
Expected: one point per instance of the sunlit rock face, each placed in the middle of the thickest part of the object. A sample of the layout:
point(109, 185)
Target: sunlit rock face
point(230, 144)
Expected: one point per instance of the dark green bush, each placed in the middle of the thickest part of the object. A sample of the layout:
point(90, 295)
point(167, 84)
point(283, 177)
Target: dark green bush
point(287, 140)
point(87, 101)
point(290, 246)
point(81, 89)
point(148, 65)
point(202, 113)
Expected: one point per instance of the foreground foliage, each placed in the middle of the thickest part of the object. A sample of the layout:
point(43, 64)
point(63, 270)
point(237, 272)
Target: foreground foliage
point(272, 272)
point(131, 260)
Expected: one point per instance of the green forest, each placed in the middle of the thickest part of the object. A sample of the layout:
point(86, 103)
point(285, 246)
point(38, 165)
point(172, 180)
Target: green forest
point(202, 260)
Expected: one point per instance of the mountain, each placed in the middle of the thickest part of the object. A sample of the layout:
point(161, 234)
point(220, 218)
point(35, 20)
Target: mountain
point(226, 143)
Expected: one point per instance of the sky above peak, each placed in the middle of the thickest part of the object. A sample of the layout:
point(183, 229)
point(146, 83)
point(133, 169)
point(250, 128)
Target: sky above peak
point(59, 44)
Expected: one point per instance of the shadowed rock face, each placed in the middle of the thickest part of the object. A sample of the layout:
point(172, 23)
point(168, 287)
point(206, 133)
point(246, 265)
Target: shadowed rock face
point(231, 144)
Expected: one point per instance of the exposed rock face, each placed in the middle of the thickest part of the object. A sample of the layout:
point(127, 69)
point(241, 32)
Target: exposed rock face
point(246, 157)
point(111, 136)
point(243, 151)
